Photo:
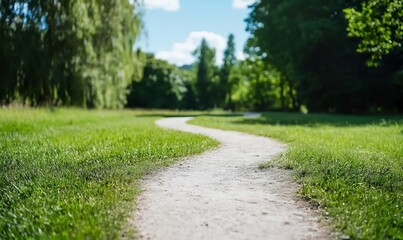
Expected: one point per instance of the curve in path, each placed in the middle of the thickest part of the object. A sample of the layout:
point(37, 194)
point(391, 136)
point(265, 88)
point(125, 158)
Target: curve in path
point(222, 194)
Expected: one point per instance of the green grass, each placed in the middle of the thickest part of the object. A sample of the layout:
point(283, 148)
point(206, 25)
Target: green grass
point(74, 174)
point(351, 166)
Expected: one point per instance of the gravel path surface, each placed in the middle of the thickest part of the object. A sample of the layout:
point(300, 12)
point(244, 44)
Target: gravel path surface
point(222, 194)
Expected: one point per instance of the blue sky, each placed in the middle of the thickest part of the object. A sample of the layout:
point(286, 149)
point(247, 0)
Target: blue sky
point(175, 27)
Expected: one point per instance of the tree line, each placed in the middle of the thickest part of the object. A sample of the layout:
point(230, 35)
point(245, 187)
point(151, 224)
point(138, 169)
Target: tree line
point(333, 56)
point(200, 86)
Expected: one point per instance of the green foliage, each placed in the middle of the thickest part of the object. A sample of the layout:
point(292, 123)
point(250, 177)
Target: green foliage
point(161, 86)
point(73, 174)
point(379, 26)
point(350, 165)
point(257, 86)
point(206, 84)
point(78, 53)
point(229, 62)
point(306, 41)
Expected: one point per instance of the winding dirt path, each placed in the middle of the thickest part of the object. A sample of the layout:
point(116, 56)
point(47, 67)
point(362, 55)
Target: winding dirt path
point(222, 194)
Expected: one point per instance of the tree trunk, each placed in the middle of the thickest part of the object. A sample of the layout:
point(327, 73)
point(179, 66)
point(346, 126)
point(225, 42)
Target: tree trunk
point(282, 93)
point(292, 96)
point(230, 100)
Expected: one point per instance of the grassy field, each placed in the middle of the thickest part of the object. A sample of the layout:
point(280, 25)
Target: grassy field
point(351, 166)
point(74, 174)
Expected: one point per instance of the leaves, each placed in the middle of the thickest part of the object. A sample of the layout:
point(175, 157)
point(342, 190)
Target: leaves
point(307, 42)
point(162, 85)
point(79, 52)
point(378, 25)
point(205, 75)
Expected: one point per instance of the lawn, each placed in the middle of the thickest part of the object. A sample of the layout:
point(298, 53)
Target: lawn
point(74, 173)
point(350, 166)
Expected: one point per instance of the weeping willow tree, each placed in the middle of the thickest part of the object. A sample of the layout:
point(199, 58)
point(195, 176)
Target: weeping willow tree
point(67, 52)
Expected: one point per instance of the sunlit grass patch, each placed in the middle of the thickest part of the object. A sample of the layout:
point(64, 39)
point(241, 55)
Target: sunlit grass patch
point(74, 173)
point(351, 165)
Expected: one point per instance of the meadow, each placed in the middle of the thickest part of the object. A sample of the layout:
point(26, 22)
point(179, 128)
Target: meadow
point(74, 174)
point(351, 167)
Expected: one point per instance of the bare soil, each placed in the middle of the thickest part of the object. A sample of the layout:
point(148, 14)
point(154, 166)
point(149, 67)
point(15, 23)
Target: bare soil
point(222, 194)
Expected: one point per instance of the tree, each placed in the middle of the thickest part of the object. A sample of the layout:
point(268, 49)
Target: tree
point(205, 74)
point(78, 53)
point(378, 25)
point(306, 41)
point(162, 86)
point(256, 86)
point(228, 63)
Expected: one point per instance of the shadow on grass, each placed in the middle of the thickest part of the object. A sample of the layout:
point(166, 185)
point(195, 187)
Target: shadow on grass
point(184, 114)
point(314, 120)
point(292, 119)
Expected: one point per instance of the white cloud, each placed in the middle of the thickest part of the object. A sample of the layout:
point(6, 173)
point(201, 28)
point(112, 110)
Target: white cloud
point(181, 53)
point(242, 4)
point(167, 5)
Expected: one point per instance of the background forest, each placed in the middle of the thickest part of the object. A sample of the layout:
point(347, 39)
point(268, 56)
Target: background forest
point(320, 56)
